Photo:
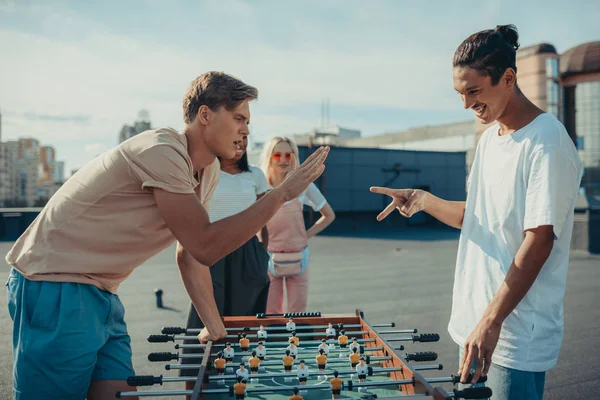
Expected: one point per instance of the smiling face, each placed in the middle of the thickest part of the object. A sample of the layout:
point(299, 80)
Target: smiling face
point(226, 130)
point(477, 92)
point(243, 145)
point(281, 161)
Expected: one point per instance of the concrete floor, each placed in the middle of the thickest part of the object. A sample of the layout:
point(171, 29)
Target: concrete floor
point(406, 278)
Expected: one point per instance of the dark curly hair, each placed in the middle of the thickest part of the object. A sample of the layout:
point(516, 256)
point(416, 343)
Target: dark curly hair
point(490, 52)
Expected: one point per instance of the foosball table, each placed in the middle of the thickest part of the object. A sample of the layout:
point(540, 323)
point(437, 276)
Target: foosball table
point(362, 361)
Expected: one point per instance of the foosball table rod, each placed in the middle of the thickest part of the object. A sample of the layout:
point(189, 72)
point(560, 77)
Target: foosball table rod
point(418, 356)
point(423, 338)
point(149, 380)
point(311, 334)
point(432, 367)
point(469, 393)
point(349, 385)
point(173, 330)
point(280, 351)
point(372, 371)
point(161, 357)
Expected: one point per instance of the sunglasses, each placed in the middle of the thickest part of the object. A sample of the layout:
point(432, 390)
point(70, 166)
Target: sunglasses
point(278, 157)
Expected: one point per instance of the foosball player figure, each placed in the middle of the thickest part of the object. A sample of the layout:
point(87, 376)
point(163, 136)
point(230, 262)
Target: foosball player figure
point(288, 361)
point(220, 364)
point(261, 334)
point(302, 372)
point(323, 346)
point(293, 349)
point(261, 351)
point(354, 358)
point(291, 325)
point(244, 342)
point(228, 352)
point(242, 372)
point(295, 338)
point(343, 339)
point(336, 386)
point(253, 362)
point(354, 344)
point(330, 331)
point(296, 396)
point(321, 360)
point(240, 388)
point(361, 370)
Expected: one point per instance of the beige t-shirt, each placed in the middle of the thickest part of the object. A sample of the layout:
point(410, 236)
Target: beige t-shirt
point(104, 222)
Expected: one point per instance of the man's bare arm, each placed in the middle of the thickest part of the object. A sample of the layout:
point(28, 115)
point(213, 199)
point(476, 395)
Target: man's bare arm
point(528, 262)
point(450, 213)
point(198, 283)
point(208, 242)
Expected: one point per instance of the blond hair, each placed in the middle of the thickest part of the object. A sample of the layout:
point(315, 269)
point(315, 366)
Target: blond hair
point(267, 153)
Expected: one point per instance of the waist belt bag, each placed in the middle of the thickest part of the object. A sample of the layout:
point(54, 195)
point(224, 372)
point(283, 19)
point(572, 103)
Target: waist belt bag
point(287, 264)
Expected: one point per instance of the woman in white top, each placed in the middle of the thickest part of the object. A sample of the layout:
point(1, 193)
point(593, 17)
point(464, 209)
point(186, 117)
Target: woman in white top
point(240, 279)
point(288, 236)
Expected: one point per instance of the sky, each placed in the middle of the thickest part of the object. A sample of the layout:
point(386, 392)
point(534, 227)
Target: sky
point(73, 72)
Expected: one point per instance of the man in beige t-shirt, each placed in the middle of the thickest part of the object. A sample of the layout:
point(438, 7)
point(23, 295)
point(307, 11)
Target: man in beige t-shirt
point(70, 339)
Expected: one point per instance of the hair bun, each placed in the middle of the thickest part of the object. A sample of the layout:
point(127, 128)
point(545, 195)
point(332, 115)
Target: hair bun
point(510, 34)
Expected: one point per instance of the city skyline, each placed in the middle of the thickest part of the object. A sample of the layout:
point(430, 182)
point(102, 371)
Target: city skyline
point(80, 71)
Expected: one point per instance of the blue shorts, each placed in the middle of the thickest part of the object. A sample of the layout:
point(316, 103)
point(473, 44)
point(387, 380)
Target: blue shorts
point(65, 335)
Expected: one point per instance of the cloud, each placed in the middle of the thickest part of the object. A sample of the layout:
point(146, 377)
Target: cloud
point(79, 119)
point(83, 72)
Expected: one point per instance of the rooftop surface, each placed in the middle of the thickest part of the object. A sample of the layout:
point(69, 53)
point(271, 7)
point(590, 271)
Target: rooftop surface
point(406, 278)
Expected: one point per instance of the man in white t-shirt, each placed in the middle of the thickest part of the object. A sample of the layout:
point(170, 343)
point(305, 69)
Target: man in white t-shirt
point(516, 225)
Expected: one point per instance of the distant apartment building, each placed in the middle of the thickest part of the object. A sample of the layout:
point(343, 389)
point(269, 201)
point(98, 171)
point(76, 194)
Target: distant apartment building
point(29, 173)
point(140, 125)
point(6, 174)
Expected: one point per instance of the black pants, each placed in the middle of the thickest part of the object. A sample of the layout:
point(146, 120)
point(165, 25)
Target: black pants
point(240, 285)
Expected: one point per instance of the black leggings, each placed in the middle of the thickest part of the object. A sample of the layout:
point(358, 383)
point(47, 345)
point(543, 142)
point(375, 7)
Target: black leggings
point(240, 285)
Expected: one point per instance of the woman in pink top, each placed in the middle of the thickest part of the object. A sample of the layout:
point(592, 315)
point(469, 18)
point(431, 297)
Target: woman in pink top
point(288, 236)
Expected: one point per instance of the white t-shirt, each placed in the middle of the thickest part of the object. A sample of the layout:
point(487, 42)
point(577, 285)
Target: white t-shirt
point(517, 182)
point(261, 352)
point(290, 326)
point(330, 331)
point(325, 348)
point(313, 198)
point(236, 192)
point(302, 372)
point(243, 374)
point(261, 334)
point(354, 346)
point(293, 350)
point(362, 370)
point(228, 353)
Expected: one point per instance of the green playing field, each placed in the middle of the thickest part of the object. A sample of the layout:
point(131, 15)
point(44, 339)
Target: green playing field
point(317, 385)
